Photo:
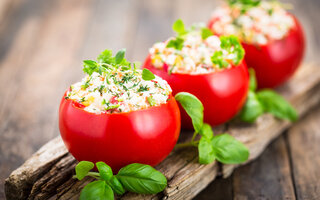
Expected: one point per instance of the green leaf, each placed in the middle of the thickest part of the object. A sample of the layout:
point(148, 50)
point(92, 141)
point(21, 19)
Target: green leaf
point(218, 59)
point(232, 45)
point(206, 153)
point(147, 75)
point(276, 105)
point(82, 169)
point(253, 80)
point(97, 190)
point(120, 56)
point(176, 43)
point(90, 66)
point(104, 170)
point(178, 27)
point(194, 108)
point(228, 150)
point(142, 179)
point(106, 57)
point(151, 100)
point(116, 185)
point(205, 33)
point(206, 131)
point(252, 108)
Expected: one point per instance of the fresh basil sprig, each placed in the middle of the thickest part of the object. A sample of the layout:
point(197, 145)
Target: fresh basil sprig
point(147, 75)
point(265, 101)
point(137, 178)
point(179, 28)
point(223, 147)
point(244, 4)
point(232, 45)
point(106, 60)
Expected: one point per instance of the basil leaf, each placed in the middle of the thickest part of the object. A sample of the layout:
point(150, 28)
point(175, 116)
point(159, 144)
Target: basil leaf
point(206, 153)
point(228, 150)
point(147, 75)
point(178, 27)
point(276, 105)
point(82, 169)
point(194, 108)
point(205, 33)
point(116, 185)
point(252, 108)
point(218, 59)
point(97, 190)
point(142, 179)
point(120, 56)
point(206, 131)
point(106, 57)
point(104, 170)
point(176, 43)
point(90, 66)
point(252, 80)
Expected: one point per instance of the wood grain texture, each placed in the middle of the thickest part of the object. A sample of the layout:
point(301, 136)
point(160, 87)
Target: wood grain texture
point(43, 43)
point(304, 150)
point(268, 178)
point(253, 136)
point(185, 176)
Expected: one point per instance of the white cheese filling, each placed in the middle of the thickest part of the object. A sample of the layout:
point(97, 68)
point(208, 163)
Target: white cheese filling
point(193, 58)
point(119, 91)
point(258, 25)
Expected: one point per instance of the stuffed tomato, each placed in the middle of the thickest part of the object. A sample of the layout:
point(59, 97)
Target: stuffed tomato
point(116, 116)
point(272, 38)
point(209, 67)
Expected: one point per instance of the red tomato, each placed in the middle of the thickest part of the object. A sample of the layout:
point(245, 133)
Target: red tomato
point(146, 136)
point(222, 93)
point(276, 61)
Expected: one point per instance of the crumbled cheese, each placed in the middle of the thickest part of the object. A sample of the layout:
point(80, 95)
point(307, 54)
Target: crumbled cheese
point(118, 90)
point(258, 25)
point(193, 58)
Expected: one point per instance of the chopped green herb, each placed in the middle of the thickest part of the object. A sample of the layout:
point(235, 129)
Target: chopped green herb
point(151, 100)
point(176, 43)
point(112, 107)
point(143, 88)
point(205, 33)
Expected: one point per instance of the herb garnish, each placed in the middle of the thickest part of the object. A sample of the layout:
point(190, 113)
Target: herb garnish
point(231, 45)
point(143, 88)
point(137, 178)
point(265, 101)
point(244, 4)
point(223, 147)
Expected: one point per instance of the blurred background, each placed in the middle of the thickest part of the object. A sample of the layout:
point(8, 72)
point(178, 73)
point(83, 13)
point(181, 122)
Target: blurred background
point(43, 43)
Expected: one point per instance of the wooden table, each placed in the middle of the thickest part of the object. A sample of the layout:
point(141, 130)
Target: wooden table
point(43, 44)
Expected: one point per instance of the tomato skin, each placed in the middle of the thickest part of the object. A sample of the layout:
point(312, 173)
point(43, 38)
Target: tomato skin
point(221, 93)
point(276, 61)
point(146, 136)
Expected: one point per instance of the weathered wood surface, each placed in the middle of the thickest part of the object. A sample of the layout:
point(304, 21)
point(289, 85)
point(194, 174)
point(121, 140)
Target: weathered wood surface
point(41, 179)
point(42, 43)
point(288, 169)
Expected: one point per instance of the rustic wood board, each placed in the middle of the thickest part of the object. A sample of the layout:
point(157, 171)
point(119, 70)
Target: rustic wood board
point(287, 169)
point(47, 174)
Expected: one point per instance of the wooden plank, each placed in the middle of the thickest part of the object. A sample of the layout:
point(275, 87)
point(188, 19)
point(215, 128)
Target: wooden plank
point(220, 189)
point(253, 136)
point(185, 176)
point(269, 177)
point(304, 148)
